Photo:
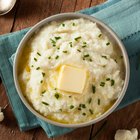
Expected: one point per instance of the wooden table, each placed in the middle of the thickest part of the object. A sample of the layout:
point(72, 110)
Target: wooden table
point(25, 14)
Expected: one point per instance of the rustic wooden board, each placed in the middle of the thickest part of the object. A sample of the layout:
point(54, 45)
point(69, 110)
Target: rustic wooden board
point(25, 14)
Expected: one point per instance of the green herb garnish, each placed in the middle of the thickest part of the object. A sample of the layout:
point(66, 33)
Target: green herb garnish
point(63, 24)
point(49, 57)
point(99, 35)
point(93, 89)
point(99, 101)
point(83, 114)
point(104, 56)
point(102, 84)
point(108, 43)
point(84, 46)
point(70, 44)
point(77, 38)
point(91, 112)
point(41, 81)
point(71, 107)
point(65, 51)
point(32, 66)
point(35, 59)
point(53, 41)
point(82, 105)
point(45, 103)
point(43, 74)
point(90, 60)
point(57, 95)
point(57, 57)
point(69, 96)
point(43, 91)
point(78, 50)
point(112, 82)
point(107, 79)
point(37, 68)
point(57, 37)
point(89, 100)
point(73, 24)
point(86, 55)
point(38, 53)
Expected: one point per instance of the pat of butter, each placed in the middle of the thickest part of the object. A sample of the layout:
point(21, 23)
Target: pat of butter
point(71, 79)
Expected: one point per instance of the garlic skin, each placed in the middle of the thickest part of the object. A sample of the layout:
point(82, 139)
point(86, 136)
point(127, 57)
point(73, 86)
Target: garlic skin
point(1, 115)
point(127, 134)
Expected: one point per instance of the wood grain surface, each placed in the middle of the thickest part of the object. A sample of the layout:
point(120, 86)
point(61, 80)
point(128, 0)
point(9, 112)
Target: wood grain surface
point(26, 13)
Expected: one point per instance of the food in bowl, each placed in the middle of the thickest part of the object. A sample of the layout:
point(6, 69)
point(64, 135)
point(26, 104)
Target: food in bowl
point(70, 72)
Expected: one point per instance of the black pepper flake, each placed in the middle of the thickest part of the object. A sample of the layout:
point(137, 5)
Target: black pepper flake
point(57, 95)
point(79, 108)
point(78, 50)
point(112, 82)
point(102, 84)
point(82, 105)
point(93, 89)
point(108, 43)
point(69, 96)
point(45, 103)
point(99, 101)
point(90, 60)
point(86, 55)
point(49, 57)
point(37, 68)
point(71, 107)
point(91, 111)
point(41, 81)
point(77, 38)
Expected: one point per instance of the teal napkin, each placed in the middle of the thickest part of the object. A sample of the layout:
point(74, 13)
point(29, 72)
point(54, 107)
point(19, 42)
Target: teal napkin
point(122, 16)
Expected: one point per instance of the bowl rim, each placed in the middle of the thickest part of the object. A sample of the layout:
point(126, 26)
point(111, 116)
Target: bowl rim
point(66, 16)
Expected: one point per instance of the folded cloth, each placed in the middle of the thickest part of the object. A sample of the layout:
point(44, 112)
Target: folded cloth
point(122, 16)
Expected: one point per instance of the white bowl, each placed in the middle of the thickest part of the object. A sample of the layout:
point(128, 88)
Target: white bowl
point(106, 30)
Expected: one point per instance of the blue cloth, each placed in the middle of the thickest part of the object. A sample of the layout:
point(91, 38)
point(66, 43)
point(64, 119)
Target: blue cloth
point(122, 16)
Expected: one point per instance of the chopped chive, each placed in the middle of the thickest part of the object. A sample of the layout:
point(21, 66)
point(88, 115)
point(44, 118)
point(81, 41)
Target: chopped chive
point(112, 82)
point(45, 103)
point(73, 24)
point(57, 37)
point(53, 41)
point(32, 66)
point(65, 51)
point(77, 38)
point(57, 57)
point(49, 57)
point(55, 88)
point(35, 59)
point(54, 45)
point(107, 79)
point(41, 81)
point(58, 48)
point(56, 95)
point(43, 91)
point(102, 84)
point(91, 112)
point(71, 107)
point(37, 68)
point(99, 35)
point(99, 101)
point(78, 50)
point(38, 53)
point(70, 44)
point(63, 24)
point(93, 89)
point(60, 109)
point(43, 74)
point(86, 55)
point(108, 43)
point(89, 100)
point(79, 108)
point(84, 43)
point(104, 56)
point(83, 114)
point(84, 46)
point(82, 105)
point(90, 60)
